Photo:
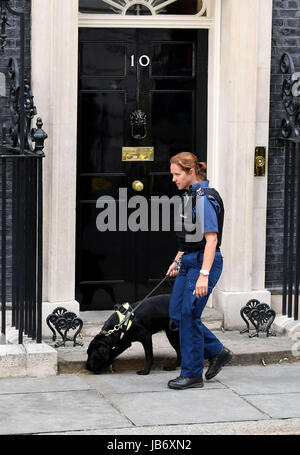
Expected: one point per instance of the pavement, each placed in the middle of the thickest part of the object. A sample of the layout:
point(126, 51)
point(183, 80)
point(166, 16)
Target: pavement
point(241, 400)
point(257, 393)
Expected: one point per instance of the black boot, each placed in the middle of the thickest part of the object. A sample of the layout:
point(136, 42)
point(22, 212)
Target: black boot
point(182, 383)
point(217, 362)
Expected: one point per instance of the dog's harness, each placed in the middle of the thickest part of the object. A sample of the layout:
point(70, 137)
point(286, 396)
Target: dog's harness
point(126, 316)
point(123, 311)
point(126, 313)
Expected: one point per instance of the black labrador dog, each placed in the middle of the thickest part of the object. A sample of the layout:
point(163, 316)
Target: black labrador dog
point(151, 317)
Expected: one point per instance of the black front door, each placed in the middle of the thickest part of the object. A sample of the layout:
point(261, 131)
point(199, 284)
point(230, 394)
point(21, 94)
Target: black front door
point(137, 88)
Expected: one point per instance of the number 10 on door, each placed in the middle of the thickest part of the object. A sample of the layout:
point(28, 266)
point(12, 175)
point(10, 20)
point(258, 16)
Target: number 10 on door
point(144, 60)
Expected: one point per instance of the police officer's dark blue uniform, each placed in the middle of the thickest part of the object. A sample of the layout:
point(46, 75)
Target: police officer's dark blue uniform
point(197, 342)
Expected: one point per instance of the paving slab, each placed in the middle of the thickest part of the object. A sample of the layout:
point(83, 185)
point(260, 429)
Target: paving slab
point(240, 400)
point(257, 379)
point(61, 383)
point(283, 406)
point(56, 411)
point(125, 383)
point(192, 406)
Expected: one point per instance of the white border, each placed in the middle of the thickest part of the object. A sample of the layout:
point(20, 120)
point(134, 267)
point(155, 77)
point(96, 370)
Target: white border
point(206, 8)
point(166, 21)
point(155, 21)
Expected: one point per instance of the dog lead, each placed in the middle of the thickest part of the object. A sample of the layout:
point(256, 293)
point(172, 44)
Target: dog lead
point(126, 313)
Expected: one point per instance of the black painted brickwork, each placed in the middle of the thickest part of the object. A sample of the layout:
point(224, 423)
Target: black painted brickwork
point(285, 37)
point(12, 49)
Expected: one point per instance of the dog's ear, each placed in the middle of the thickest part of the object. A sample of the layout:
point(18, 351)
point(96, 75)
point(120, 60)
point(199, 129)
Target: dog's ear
point(104, 351)
point(91, 347)
point(100, 348)
point(94, 343)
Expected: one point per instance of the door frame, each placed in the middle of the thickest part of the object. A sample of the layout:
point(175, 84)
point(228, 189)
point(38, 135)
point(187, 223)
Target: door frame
point(135, 40)
point(210, 22)
point(54, 45)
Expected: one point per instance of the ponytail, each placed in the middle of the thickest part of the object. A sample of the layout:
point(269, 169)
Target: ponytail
point(187, 161)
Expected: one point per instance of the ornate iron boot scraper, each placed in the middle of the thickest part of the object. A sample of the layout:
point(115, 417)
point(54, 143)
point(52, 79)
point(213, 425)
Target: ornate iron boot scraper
point(63, 320)
point(260, 315)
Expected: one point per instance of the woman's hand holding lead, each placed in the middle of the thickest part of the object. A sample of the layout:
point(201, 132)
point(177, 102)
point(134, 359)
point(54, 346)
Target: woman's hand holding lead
point(172, 270)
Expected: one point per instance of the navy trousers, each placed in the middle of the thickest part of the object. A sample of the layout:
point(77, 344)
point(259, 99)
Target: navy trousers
point(197, 343)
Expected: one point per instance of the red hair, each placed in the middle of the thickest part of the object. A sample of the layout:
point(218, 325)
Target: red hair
point(187, 161)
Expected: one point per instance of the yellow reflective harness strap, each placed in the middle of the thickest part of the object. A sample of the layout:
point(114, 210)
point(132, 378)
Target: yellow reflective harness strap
point(122, 316)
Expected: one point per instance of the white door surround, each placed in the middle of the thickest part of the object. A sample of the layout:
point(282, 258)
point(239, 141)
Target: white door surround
point(238, 116)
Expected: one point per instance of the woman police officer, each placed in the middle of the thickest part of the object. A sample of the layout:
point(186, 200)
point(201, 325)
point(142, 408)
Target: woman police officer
point(200, 262)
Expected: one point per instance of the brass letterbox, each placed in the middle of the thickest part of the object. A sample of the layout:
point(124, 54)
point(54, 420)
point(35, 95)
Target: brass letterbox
point(137, 154)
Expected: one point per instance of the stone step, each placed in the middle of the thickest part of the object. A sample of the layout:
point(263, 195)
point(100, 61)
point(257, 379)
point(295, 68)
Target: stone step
point(260, 350)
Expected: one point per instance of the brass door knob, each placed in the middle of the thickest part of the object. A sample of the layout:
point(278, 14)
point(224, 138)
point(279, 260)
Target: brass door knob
point(137, 185)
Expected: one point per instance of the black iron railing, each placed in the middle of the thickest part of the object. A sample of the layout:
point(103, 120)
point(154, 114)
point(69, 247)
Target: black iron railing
point(21, 188)
point(290, 140)
point(291, 238)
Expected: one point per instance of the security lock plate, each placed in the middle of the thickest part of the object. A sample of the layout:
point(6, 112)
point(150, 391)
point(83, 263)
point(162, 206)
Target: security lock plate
point(260, 162)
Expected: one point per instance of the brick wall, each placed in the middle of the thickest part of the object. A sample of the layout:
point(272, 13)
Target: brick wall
point(285, 37)
point(12, 49)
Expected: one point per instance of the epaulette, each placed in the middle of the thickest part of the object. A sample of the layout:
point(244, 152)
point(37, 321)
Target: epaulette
point(200, 192)
point(210, 196)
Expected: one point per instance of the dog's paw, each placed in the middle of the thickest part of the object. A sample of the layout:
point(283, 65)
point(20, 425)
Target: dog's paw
point(142, 372)
point(171, 366)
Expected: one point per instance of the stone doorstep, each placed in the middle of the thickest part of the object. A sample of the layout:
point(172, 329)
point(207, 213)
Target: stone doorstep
point(287, 326)
point(68, 366)
point(28, 359)
point(247, 351)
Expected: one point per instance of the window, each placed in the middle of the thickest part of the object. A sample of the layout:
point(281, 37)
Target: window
point(142, 7)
